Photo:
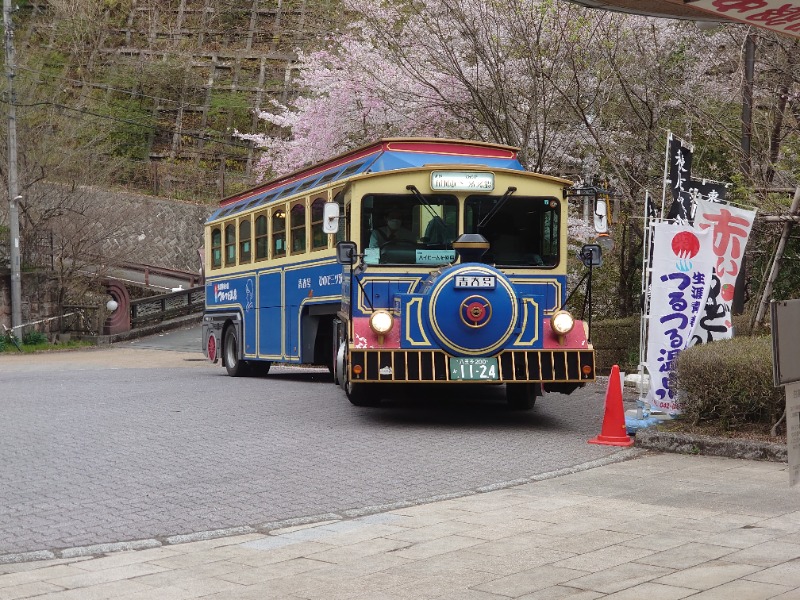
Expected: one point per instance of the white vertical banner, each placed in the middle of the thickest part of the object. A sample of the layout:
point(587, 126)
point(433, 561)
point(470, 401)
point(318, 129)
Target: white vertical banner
point(730, 227)
point(683, 264)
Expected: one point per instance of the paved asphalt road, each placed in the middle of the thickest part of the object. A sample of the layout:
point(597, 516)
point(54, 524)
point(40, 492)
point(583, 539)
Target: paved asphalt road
point(146, 439)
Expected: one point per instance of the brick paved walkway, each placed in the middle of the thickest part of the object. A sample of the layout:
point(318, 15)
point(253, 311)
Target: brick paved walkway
point(656, 527)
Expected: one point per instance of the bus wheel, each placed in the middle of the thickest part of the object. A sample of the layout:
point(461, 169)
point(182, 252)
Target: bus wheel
point(360, 394)
point(235, 366)
point(259, 367)
point(521, 396)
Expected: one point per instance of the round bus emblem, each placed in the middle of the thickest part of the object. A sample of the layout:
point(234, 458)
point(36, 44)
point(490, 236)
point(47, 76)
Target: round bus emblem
point(476, 311)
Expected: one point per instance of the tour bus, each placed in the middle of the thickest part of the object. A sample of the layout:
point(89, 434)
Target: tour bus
point(409, 260)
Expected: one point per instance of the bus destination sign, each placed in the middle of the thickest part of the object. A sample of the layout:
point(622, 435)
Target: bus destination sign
point(475, 282)
point(461, 180)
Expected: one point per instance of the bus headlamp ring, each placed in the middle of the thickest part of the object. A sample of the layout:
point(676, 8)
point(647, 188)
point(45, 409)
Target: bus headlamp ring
point(562, 322)
point(381, 322)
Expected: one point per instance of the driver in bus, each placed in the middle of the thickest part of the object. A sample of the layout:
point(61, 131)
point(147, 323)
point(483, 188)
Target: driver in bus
point(393, 231)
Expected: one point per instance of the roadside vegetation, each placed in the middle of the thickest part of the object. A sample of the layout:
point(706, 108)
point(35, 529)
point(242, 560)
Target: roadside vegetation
point(728, 386)
point(35, 341)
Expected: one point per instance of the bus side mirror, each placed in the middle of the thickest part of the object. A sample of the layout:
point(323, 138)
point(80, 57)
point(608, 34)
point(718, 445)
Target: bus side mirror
point(601, 222)
point(600, 216)
point(346, 253)
point(330, 217)
point(591, 255)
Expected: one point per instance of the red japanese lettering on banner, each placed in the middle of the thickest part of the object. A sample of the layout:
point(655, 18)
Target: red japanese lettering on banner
point(728, 231)
point(773, 17)
point(741, 6)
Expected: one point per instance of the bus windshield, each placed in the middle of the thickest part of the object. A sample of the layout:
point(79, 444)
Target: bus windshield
point(401, 229)
point(523, 231)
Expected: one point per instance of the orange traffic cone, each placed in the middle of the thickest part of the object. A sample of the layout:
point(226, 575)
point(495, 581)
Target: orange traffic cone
point(613, 432)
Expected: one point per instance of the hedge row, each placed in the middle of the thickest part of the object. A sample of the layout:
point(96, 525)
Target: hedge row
point(730, 382)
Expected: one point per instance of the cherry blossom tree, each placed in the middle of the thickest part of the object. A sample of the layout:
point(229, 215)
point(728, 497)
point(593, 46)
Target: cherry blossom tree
point(453, 68)
point(582, 93)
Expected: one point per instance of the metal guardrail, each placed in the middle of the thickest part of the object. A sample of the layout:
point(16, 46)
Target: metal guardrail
point(80, 318)
point(193, 279)
point(167, 306)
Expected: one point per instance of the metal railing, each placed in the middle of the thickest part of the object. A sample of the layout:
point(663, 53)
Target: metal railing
point(80, 318)
point(88, 320)
point(155, 309)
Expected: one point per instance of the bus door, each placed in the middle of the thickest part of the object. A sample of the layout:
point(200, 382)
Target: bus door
point(270, 297)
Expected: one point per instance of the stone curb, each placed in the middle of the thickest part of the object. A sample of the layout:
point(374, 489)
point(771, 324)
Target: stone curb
point(663, 441)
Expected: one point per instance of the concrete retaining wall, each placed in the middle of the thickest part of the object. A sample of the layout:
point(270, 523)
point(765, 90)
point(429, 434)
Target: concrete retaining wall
point(127, 226)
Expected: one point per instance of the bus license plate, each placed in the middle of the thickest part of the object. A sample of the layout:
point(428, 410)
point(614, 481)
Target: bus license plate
point(473, 369)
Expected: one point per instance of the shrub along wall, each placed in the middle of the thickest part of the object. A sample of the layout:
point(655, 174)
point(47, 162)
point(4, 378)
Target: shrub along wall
point(616, 342)
point(729, 381)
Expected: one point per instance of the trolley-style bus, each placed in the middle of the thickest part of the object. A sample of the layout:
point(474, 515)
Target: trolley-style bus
point(406, 261)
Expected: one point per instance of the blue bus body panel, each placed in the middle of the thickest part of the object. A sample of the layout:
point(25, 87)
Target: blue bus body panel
point(235, 293)
point(272, 302)
point(551, 288)
point(390, 161)
point(380, 291)
point(433, 315)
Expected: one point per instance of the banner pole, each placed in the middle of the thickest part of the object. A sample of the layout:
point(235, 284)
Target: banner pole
point(666, 175)
point(645, 303)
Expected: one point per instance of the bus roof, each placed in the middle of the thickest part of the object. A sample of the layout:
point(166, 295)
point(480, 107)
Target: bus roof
point(387, 154)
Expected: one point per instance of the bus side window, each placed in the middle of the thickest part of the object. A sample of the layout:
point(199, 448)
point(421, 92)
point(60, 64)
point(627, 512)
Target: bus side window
point(230, 244)
point(279, 233)
point(216, 248)
point(298, 228)
point(550, 237)
point(262, 243)
point(319, 239)
point(344, 232)
point(245, 252)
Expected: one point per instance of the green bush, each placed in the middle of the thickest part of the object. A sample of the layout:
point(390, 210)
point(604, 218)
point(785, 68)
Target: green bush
point(616, 342)
point(8, 343)
point(730, 382)
point(32, 338)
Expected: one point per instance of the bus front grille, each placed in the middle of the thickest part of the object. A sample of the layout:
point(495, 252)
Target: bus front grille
point(433, 366)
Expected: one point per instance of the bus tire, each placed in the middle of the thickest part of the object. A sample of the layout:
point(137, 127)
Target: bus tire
point(521, 396)
point(234, 364)
point(259, 368)
point(359, 394)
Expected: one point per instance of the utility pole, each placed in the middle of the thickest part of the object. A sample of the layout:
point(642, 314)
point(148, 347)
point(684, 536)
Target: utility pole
point(13, 193)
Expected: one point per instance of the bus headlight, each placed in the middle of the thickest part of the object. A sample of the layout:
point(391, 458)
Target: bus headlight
point(562, 322)
point(381, 322)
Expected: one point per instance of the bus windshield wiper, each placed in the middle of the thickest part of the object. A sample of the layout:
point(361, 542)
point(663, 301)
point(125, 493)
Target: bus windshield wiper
point(496, 208)
point(424, 201)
